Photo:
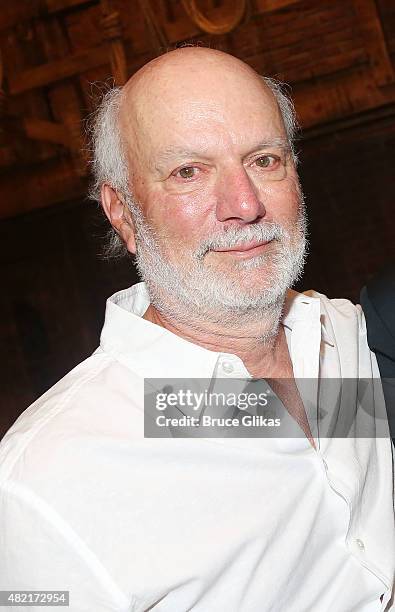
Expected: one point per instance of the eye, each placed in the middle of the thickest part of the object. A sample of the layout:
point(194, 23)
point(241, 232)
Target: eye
point(188, 172)
point(267, 161)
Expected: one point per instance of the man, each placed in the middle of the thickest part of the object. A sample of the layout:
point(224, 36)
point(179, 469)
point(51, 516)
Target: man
point(194, 162)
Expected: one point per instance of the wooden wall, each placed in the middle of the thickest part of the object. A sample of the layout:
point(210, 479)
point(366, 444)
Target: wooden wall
point(336, 54)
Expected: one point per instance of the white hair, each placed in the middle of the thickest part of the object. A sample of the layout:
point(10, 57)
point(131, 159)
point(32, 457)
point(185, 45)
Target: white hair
point(108, 153)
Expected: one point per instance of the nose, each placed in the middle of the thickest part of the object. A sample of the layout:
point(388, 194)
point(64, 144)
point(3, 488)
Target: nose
point(237, 198)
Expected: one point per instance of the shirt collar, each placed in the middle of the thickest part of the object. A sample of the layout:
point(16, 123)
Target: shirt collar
point(148, 349)
point(305, 307)
point(154, 352)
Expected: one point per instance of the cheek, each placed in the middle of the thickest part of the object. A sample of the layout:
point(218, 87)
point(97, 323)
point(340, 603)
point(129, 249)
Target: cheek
point(282, 200)
point(184, 216)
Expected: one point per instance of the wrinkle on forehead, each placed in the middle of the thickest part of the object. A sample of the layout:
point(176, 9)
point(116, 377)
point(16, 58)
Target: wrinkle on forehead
point(169, 153)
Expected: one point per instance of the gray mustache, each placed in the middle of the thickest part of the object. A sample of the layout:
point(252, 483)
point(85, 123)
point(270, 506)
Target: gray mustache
point(235, 236)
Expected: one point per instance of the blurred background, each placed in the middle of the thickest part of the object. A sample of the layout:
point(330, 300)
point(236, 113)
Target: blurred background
point(338, 57)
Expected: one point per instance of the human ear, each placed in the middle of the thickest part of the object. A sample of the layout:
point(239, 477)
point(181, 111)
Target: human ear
point(118, 215)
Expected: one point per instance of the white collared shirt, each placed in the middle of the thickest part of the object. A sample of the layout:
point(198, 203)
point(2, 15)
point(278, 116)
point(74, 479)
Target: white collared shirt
point(128, 523)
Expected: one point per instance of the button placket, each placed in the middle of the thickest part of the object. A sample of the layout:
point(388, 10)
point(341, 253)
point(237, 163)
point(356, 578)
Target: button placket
point(227, 367)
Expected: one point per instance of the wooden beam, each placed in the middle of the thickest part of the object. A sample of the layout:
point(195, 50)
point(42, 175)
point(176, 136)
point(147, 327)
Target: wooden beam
point(373, 116)
point(48, 131)
point(339, 96)
point(58, 70)
point(24, 10)
point(39, 186)
point(155, 29)
point(17, 12)
point(268, 6)
point(52, 72)
point(111, 24)
point(54, 6)
point(66, 106)
point(374, 41)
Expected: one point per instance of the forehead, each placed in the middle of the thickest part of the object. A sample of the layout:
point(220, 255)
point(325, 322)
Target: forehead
point(187, 107)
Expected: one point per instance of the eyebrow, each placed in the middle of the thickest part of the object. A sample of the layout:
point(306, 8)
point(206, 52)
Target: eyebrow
point(172, 153)
point(279, 143)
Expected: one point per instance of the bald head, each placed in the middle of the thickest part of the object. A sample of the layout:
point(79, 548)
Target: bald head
point(188, 66)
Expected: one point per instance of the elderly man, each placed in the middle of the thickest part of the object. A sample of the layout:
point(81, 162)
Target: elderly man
point(194, 162)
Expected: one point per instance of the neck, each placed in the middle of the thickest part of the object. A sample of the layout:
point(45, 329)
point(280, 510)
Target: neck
point(259, 341)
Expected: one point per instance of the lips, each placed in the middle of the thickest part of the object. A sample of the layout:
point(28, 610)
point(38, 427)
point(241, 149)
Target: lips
point(243, 248)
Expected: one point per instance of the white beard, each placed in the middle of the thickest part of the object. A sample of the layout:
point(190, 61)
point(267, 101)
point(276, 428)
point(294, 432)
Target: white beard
point(191, 290)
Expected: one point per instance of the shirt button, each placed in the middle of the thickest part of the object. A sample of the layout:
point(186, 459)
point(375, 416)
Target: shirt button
point(360, 544)
point(227, 367)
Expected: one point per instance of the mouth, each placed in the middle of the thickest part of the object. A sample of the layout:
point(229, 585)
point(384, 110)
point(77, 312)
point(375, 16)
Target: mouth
point(249, 249)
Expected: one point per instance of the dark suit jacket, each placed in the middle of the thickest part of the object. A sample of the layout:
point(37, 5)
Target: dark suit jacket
point(378, 303)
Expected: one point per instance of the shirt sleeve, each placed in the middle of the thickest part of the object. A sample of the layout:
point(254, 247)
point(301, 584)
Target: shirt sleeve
point(40, 551)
